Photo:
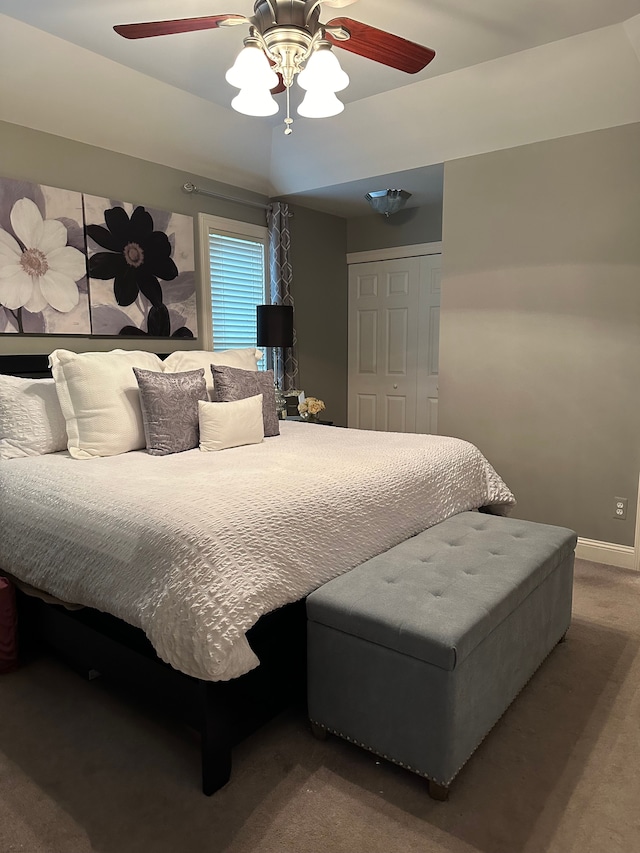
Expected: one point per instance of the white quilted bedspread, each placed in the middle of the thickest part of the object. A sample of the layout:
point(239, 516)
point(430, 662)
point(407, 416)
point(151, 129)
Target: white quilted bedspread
point(193, 548)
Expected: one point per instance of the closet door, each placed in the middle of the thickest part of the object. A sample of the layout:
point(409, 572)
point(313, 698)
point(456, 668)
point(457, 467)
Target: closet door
point(393, 341)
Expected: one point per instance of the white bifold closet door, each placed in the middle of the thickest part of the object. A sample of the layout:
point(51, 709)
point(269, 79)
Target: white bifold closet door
point(394, 322)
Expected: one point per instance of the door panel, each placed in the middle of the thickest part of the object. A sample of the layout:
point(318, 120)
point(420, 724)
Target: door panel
point(367, 342)
point(367, 286)
point(396, 414)
point(366, 411)
point(397, 342)
point(398, 282)
point(383, 318)
point(393, 344)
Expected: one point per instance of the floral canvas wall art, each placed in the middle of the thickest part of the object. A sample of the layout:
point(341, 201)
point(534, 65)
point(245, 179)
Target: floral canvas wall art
point(43, 265)
point(141, 270)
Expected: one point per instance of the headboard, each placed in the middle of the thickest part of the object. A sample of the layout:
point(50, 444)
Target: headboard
point(32, 366)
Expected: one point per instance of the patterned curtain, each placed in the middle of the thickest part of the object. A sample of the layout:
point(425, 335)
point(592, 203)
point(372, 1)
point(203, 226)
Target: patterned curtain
point(281, 275)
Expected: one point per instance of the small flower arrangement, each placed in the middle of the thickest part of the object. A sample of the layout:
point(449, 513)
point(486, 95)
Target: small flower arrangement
point(310, 408)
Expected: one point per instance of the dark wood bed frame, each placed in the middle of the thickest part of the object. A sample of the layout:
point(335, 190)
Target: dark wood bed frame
point(223, 712)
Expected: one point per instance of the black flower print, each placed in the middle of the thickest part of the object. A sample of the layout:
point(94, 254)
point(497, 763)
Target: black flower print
point(158, 325)
point(137, 255)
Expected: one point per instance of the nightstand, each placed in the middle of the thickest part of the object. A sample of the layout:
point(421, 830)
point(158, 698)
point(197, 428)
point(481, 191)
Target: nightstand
point(304, 420)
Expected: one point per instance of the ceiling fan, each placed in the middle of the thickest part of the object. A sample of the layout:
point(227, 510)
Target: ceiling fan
point(286, 38)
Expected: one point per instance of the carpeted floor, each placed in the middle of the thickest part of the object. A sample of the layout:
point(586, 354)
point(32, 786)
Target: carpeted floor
point(82, 769)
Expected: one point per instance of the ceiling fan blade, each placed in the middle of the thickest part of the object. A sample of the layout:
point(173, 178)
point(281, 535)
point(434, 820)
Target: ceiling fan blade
point(280, 87)
point(381, 46)
point(184, 25)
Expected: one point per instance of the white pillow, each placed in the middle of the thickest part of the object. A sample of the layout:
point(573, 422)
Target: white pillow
point(183, 360)
point(31, 421)
point(100, 400)
point(224, 425)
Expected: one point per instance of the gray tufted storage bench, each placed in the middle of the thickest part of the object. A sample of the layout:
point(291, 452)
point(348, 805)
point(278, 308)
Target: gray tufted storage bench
point(416, 653)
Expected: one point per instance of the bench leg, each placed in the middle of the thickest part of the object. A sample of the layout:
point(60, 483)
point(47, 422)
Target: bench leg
point(437, 792)
point(319, 731)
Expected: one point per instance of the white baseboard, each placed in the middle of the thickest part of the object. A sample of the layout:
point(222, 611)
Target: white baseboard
point(621, 556)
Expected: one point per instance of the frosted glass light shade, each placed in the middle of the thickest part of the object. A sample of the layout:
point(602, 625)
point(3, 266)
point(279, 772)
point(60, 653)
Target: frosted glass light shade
point(323, 72)
point(251, 69)
point(318, 104)
point(255, 101)
point(388, 202)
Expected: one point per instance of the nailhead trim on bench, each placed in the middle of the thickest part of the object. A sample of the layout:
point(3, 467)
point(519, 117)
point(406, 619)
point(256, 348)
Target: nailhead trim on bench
point(418, 772)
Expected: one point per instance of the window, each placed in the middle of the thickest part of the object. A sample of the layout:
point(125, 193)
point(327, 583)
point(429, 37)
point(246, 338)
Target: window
point(234, 256)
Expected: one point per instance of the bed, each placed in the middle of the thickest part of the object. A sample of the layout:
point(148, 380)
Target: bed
point(194, 566)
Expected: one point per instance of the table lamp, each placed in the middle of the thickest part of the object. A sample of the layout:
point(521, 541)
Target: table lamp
point(275, 330)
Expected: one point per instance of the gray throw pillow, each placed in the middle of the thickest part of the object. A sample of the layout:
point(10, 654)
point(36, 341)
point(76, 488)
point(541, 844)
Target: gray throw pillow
point(232, 383)
point(169, 403)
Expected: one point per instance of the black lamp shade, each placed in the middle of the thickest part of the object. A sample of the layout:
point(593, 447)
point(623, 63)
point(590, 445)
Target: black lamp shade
point(275, 325)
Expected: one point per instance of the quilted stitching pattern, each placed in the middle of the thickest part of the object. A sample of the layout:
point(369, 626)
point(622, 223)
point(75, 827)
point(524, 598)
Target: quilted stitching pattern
point(195, 547)
point(31, 420)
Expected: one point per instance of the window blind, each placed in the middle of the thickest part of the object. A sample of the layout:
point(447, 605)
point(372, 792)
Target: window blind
point(237, 276)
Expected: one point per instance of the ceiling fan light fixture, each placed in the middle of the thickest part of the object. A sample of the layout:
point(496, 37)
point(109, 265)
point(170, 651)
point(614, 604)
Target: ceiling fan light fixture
point(251, 68)
point(388, 202)
point(289, 57)
point(323, 71)
point(255, 101)
point(320, 104)
point(284, 37)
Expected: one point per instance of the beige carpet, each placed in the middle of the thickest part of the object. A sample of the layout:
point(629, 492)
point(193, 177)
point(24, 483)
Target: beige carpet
point(82, 769)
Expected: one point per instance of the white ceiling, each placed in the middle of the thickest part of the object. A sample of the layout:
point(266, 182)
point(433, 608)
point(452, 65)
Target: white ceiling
point(464, 33)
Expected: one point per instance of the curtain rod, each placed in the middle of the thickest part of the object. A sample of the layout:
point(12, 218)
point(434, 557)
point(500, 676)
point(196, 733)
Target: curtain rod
point(192, 188)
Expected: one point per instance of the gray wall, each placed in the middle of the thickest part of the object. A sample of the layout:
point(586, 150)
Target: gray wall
point(540, 323)
point(320, 291)
point(405, 228)
point(319, 247)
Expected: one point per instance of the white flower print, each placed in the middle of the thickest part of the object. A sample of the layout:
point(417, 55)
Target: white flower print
point(45, 272)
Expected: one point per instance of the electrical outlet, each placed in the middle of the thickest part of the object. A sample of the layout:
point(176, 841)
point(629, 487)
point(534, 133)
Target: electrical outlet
point(620, 508)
